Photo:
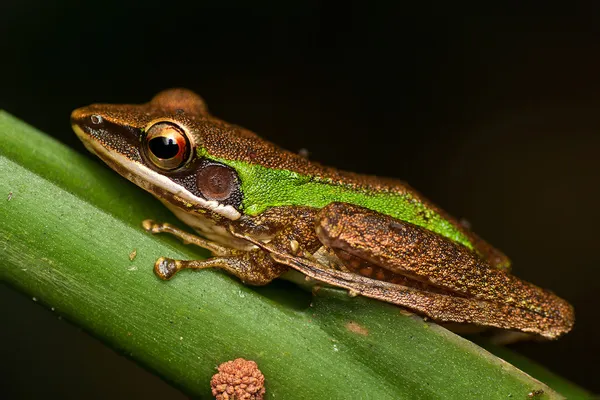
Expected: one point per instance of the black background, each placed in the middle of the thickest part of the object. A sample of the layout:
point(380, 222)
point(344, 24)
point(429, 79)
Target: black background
point(494, 114)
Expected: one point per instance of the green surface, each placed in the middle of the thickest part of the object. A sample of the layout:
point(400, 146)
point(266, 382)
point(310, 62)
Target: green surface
point(68, 228)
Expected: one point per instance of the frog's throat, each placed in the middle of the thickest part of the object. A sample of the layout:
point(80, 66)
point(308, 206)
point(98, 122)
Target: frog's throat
point(151, 180)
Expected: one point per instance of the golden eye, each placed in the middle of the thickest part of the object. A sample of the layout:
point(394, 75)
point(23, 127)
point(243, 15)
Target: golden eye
point(167, 146)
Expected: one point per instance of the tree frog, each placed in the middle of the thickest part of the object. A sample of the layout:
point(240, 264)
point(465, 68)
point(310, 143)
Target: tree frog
point(262, 211)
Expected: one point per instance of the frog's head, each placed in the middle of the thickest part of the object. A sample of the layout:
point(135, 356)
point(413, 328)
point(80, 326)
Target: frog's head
point(155, 145)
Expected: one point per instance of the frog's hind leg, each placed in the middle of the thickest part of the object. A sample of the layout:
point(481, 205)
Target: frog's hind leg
point(439, 306)
point(473, 290)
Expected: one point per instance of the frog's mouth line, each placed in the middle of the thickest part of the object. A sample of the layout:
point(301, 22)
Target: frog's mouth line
point(150, 180)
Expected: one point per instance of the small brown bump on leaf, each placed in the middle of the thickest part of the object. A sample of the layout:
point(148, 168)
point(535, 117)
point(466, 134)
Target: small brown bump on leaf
point(132, 255)
point(238, 380)
point(535, 393)
point(356, 328)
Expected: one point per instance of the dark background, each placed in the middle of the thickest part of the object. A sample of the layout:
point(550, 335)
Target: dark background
point(494, 115)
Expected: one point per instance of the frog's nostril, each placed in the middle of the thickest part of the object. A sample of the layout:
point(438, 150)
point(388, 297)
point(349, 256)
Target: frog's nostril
point(96, 119)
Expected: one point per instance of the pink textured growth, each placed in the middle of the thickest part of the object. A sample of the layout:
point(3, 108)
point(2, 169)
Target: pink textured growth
point(238, 380)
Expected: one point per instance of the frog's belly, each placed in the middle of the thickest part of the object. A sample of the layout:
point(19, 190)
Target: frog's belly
point(209, 229)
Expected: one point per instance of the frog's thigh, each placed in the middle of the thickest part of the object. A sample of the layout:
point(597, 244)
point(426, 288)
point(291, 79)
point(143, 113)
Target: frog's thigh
point(407, 250)
point(399, 248)
point(376, 237)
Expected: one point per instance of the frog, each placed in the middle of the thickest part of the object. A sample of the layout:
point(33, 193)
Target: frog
point(263, 211)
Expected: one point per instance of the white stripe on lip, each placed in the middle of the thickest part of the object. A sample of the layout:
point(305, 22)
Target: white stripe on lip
point(142, 175)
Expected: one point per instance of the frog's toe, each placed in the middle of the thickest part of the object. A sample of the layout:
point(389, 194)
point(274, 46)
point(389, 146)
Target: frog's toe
point(149, 225)
point(165, 268)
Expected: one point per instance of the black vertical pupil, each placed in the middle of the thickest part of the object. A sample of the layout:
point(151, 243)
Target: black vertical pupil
point(164, 147)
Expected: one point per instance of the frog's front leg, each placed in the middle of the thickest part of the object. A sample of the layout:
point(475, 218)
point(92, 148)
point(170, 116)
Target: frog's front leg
point(254, 267)
point(187, 238)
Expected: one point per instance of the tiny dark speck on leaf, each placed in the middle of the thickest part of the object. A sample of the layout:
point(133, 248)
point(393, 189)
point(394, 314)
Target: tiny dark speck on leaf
point(535, 393)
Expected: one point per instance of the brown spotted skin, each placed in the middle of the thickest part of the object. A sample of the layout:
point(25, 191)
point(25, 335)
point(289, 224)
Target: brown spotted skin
point(223, 140)
point(401, 248)
point(368, 269)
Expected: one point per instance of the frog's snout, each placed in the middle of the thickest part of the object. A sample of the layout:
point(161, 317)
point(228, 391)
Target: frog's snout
point(83, 117)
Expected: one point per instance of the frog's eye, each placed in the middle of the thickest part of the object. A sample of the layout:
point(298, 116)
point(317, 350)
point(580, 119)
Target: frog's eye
point(167, 146)
point(217, 182)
